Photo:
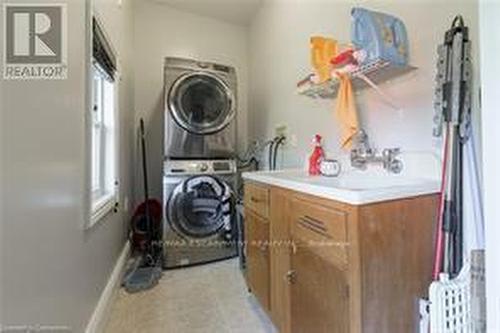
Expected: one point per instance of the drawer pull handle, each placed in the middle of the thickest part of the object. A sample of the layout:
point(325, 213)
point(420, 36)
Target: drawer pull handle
point(291, 276)
point(315, 222)
point(263, 247)
point(255, 200)
point(314, 225)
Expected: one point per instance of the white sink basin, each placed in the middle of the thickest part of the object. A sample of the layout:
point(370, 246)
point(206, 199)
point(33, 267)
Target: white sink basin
point(353, 187)
point(357, 182)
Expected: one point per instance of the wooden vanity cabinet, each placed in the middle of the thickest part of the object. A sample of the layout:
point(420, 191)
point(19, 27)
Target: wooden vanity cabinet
point(338, 268)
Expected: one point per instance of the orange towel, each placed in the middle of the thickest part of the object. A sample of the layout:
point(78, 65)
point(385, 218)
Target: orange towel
point(322, 51)
point(346, 112)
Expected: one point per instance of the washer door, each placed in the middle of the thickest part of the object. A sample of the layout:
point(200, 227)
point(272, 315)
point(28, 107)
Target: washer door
point(200, 207)
point(201, 103)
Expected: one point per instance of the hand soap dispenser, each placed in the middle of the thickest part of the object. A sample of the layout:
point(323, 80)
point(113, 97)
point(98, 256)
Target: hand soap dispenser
point(316, 156)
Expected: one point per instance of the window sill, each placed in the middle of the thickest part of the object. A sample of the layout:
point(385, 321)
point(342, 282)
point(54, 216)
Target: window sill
point(102, 207)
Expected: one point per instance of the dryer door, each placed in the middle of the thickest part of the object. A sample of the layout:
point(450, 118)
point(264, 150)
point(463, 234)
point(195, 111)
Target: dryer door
point(201, 103)
point(200, 207)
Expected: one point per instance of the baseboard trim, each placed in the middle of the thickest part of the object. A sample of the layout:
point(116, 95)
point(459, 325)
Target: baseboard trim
point(102, 311)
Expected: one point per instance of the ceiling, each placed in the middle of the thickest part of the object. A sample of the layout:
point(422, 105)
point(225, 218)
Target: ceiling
point(233, 11)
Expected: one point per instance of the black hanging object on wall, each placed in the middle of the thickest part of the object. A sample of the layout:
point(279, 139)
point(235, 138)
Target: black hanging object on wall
point(453, 107)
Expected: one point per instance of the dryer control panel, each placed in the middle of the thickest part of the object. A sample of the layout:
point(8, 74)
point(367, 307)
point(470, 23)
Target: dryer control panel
point(197, 167)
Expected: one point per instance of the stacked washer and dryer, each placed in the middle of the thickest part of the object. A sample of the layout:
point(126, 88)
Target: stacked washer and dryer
point(199, 174)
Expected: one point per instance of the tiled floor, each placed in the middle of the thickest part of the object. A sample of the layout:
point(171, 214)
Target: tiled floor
point(211, 298)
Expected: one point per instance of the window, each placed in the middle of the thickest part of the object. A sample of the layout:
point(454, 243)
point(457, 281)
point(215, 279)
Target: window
point(103, 142)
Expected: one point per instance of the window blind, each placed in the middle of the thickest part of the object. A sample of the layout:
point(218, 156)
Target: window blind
point(101, 51)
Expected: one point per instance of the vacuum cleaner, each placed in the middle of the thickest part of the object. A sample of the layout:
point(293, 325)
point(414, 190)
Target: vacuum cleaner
point(145, 225)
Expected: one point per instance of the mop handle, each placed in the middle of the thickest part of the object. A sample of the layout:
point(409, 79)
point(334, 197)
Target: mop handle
point(438, 259)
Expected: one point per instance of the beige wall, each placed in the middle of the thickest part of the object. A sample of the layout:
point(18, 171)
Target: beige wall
point(162, 31)
point(279, 57)
point(53, 271)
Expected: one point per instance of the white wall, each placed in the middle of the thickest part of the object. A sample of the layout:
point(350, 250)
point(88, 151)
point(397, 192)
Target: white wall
point(279, 53)
point(490, 70)
point(162, 31)
point(53, 270)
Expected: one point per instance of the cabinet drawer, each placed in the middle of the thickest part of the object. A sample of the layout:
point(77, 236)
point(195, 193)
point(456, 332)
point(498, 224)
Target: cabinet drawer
point(322, 228)
point(256, 198)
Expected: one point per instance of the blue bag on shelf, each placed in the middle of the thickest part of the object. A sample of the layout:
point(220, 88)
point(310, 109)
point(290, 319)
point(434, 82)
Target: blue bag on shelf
point(382, 36)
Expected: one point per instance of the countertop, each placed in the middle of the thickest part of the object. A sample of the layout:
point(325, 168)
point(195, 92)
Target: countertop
point(353, 187)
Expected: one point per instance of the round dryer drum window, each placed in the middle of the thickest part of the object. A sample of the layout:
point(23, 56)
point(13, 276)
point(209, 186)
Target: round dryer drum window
point(200, 207)
point(201, 103)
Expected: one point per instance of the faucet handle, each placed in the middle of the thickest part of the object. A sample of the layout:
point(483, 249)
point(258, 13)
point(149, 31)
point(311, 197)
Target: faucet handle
point(361, 144)
point(391, 163)
point(361, 138)
point(391, 152)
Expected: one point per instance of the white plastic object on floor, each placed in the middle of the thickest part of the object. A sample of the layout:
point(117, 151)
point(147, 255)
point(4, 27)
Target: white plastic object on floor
point(450, 304)
point(424, 322)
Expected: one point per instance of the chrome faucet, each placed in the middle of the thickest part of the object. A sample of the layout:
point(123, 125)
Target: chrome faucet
point(363, 154)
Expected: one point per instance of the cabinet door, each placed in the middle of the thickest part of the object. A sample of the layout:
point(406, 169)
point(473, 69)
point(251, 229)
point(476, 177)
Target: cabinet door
point(319, 294)
point(280, 259)
point(257, 248)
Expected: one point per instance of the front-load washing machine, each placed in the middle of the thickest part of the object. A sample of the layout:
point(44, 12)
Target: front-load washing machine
point(199, 211)
point(200, 110)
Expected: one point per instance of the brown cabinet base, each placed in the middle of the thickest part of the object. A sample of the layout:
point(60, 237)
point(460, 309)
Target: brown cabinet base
point(336, 268)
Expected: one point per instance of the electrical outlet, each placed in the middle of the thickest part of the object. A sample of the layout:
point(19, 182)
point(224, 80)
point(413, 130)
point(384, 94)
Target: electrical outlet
point(293, 141)
point(281, 130)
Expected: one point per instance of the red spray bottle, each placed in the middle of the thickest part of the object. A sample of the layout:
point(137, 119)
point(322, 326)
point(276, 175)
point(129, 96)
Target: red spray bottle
point(316, 156)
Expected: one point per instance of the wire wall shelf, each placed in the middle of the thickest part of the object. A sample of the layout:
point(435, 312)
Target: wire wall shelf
point(378, 71)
